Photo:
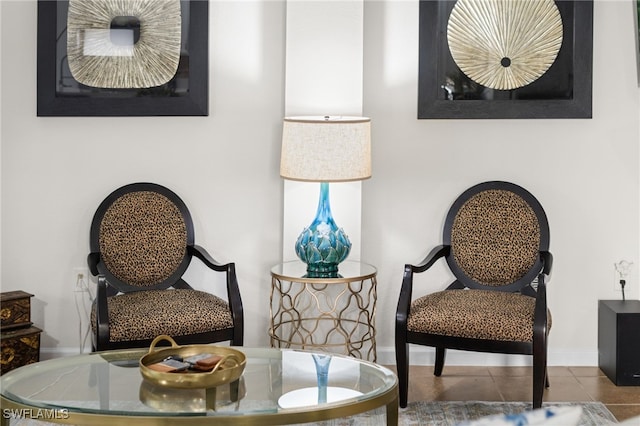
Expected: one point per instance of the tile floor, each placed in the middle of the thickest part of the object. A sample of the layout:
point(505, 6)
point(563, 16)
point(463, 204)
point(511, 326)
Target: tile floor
point(514, 384)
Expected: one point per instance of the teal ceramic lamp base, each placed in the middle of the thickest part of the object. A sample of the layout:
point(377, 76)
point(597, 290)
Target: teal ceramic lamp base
point(322, 246)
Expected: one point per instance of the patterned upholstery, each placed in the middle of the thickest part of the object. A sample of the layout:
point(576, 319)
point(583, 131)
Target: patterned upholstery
point(495, 237)
point(142, 243)
point(475, 314)
point(142, 238)
point(496, 243)
point(146, 314)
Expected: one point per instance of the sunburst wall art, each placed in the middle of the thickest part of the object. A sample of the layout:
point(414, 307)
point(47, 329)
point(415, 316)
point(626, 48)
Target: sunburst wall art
point(504, 44)
point(505, 59)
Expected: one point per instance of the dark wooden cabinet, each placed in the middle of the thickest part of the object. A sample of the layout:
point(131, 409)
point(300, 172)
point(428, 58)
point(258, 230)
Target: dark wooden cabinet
point(15, 310)
point(20, 347)
point(19, 339)
point(619, 341)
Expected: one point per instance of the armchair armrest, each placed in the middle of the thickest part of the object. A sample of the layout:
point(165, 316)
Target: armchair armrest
point(92, 261)
point(233, 290)
point(404, 301)
point(547, 263)
point(431, 258)
point(206, 258)
point(102, 315)
point(540, 326)
point(235, 303)
point(540, 310)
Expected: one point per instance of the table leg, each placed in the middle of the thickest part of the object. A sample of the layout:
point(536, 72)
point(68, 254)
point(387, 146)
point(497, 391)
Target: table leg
point(234, 390)
point(210, 397)
point(392, 413)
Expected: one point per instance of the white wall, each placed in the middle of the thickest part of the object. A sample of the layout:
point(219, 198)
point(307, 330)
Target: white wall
point(584, 172)
point(55, 171)
point(323, 76)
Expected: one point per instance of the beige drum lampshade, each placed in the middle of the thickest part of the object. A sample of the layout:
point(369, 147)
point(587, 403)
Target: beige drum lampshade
point(326, 149)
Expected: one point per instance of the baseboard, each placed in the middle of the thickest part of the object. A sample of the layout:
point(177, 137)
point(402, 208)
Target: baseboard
point(50, 353)
point(420, 355)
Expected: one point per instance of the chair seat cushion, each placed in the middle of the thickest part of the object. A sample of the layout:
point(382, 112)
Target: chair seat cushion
point(475, 314)
point(146, 314)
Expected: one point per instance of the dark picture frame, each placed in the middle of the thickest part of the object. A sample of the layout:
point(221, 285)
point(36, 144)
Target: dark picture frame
point(637, 19)
point(59, 94)
point(564, 91)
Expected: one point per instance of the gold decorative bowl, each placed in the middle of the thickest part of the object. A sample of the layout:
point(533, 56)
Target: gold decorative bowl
point(166, 399)
point(228, 369)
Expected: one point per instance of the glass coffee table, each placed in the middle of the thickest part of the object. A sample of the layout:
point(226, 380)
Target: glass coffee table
point(278, 386)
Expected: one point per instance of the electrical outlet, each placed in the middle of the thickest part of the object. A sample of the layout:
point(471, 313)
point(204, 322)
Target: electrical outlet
point(80, 279)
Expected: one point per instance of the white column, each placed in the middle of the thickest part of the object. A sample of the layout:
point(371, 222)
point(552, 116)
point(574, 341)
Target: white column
point(323, 76)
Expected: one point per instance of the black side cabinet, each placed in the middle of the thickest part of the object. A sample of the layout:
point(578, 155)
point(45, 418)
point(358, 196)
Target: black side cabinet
point(619, 341)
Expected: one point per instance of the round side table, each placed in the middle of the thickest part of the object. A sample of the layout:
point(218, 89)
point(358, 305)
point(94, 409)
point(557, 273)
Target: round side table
point(334, 314)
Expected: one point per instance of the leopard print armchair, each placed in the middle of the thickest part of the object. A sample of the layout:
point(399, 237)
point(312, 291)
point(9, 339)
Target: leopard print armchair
point(496, 244)
point(142, 241)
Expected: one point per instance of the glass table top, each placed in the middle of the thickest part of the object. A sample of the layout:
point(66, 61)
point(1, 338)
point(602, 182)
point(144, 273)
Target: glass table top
point(349, 270)
point(274, 381)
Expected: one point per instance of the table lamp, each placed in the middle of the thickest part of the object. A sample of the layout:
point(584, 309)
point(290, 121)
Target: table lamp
point(325, 149)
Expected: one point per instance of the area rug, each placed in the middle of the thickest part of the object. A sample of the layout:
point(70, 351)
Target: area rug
point(431, 413)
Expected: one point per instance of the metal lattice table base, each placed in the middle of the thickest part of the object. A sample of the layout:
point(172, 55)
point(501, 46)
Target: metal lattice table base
point(334, 316)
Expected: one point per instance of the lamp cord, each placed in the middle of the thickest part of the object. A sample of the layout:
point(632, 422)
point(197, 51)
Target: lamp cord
point(82, 289)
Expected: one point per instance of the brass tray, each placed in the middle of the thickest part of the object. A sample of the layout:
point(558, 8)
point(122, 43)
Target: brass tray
point(163, 398)
point(228, 369)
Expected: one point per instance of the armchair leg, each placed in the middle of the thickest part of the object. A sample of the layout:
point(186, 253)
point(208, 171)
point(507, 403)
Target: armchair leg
point(402, 366)
point(540, 376)
point(539, 382)
point(238, 337)
point(440, 356)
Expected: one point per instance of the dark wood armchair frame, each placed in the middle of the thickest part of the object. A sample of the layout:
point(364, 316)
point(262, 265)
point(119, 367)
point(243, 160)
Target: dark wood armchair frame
point(541, 269)
point(109, 285)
